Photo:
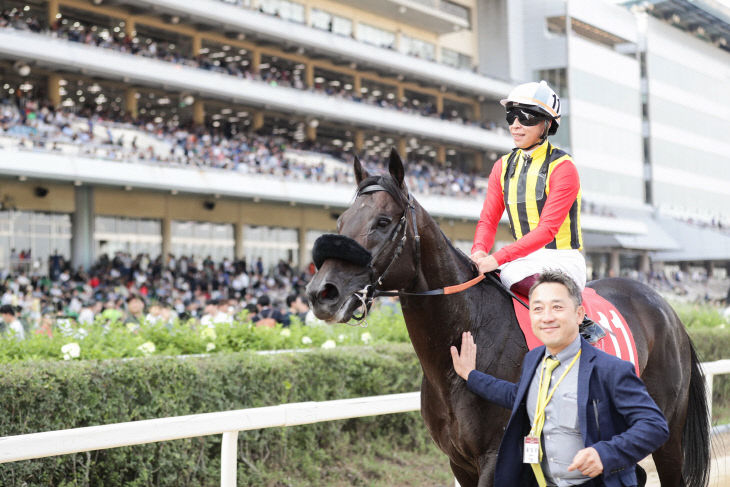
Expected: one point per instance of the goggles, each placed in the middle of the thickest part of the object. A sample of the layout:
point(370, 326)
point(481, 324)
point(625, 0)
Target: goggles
point(526, 117)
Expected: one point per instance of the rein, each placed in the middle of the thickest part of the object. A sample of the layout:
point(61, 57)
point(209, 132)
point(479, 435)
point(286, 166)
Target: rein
point(368, 294)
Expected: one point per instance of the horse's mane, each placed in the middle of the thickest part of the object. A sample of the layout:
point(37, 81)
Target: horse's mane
point(400, 195)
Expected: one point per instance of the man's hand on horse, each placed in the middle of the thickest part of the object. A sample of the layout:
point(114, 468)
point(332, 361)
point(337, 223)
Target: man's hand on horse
point(467, 360)
point(588, 462)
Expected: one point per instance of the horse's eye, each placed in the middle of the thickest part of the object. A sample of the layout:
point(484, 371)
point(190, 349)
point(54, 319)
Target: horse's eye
point(384, 221)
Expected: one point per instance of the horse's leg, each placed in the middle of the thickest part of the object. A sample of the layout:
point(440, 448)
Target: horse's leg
point(668, 460)
point(464, 477)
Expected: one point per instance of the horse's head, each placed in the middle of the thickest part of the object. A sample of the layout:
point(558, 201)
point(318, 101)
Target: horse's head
point(370, 251)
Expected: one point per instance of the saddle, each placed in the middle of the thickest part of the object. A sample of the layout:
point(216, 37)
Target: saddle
point(618, 340)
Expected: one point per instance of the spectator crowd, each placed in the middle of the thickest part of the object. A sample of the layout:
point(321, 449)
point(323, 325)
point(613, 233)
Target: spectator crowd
point(136, 289)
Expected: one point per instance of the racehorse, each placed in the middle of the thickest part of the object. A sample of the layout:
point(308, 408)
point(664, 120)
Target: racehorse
point(386, 240)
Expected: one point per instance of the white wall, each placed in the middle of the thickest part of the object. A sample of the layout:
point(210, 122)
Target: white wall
point(689, 110)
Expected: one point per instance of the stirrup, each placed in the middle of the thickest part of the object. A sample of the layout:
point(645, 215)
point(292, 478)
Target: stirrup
point(591, 331)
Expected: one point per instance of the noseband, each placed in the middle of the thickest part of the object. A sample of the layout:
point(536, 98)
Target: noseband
point(345, 248)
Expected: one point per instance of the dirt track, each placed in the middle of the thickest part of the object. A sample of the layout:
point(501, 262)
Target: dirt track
point(719, 471)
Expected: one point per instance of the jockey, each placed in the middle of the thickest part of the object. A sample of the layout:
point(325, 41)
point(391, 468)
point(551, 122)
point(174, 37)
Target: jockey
point(538, 185)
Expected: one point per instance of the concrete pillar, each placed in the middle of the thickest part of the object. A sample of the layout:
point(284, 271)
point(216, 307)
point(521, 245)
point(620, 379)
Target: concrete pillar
point(397, 41)
point(130, 26)
point(238, 250)
point(644, 263)
point(400, 92)
point(477, 111)
point(441, 154)
point(198, 112)
point(615, 265)
point(53, 12)
point(439, 103)
point(166, 225)
point(357, 85)
point(304, 255)
point(309, 75)
point(255, 60)
point(54, 90)
point(197, 44)
point(359, 140)
point(82, 228)
point(311, 132)
point(709, 268)
point(308, 15)
point(257, 121)
point(402, 147)
point(130, 102)
point(479, 162)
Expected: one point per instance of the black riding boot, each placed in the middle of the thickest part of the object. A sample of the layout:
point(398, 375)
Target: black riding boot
point(590, 330)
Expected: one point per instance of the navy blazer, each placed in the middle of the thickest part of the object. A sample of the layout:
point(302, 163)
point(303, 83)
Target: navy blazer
point(616, 416)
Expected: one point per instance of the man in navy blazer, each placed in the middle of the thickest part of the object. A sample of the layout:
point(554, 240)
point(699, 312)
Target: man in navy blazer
point(600, 420)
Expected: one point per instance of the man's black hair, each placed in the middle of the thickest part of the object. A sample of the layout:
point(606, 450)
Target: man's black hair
point(6, 309)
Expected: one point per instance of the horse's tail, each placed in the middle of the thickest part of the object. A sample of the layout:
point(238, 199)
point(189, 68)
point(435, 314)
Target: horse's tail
point(696, 433)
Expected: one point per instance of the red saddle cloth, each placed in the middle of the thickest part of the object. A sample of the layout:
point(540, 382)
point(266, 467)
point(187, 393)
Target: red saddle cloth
point(619, 341)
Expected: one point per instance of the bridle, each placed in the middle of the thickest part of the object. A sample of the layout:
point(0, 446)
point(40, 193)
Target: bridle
point(367, 294)
point(371, 291)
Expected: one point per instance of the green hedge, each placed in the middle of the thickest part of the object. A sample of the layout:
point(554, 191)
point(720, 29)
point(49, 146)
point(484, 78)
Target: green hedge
point(714, 344)
point(42, 396)
point(51, 395)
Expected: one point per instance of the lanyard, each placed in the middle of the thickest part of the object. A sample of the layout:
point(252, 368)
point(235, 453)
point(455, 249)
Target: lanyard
point(540, 412)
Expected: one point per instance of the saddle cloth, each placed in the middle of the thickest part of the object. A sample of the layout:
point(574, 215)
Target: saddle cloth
point(619, 341)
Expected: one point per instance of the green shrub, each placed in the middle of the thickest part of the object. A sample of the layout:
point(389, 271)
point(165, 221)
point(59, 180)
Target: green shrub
point(52, 395)
point(103, 340)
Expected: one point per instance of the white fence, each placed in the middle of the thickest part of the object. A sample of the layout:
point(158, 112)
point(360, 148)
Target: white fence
point(228, 423)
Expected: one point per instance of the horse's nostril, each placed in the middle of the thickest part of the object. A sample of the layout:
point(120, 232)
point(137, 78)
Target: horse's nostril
point(328, 292)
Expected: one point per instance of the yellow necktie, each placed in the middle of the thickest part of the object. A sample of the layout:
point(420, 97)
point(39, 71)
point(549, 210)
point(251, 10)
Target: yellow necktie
point(542, 396)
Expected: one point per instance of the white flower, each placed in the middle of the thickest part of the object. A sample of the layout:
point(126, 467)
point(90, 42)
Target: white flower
point(81, 333)
point(286, 332)
point(329, 344)
point(366, 337)
point(306, 340)
point(71, 350)
point(341, 337)
point(210, 347)
point(208, 333)
point(147, 348)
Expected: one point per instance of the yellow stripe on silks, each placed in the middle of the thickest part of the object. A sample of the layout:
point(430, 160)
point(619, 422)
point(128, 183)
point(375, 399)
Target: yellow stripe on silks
point(533, 216)
point(563, 237)
point(512, 201)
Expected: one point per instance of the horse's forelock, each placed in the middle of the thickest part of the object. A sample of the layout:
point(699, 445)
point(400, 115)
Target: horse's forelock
point(390, 186)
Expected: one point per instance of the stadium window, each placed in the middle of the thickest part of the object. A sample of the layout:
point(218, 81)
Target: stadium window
point(284, 9)
point(375, 36)
point(332, 23)
point(417, 47)
point(455, 59)
point(271, 244)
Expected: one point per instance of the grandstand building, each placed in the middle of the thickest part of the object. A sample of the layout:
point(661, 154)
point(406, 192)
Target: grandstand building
point(226, 127)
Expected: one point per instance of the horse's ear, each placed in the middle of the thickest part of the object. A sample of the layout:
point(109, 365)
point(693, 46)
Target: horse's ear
point(360, 172)
point(396, 167)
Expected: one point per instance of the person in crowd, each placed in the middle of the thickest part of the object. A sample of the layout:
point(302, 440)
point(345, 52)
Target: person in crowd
point(545, 443)
point(538, 185)
point(9, 323)
point(267, 315)
point(296, 307)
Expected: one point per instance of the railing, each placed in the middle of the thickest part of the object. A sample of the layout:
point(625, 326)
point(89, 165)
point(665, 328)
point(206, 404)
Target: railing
point(228, 424)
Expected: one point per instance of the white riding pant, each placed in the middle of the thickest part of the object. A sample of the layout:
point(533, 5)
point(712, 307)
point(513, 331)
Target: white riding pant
point(570, 261)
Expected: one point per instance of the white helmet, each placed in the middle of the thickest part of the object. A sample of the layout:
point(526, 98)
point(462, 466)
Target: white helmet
point(536, 96)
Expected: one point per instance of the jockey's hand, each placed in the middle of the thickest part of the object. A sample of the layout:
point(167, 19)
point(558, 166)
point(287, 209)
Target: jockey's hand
point(467, 360)
point(479, 254)
point(487, 264)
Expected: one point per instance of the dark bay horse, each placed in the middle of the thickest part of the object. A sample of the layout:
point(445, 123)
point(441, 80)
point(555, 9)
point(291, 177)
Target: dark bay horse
point(388, 241)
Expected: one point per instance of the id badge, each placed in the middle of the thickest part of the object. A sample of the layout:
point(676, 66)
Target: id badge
point(532, 450)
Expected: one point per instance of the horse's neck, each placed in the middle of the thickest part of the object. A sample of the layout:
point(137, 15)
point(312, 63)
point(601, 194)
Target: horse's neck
point(436, 322)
